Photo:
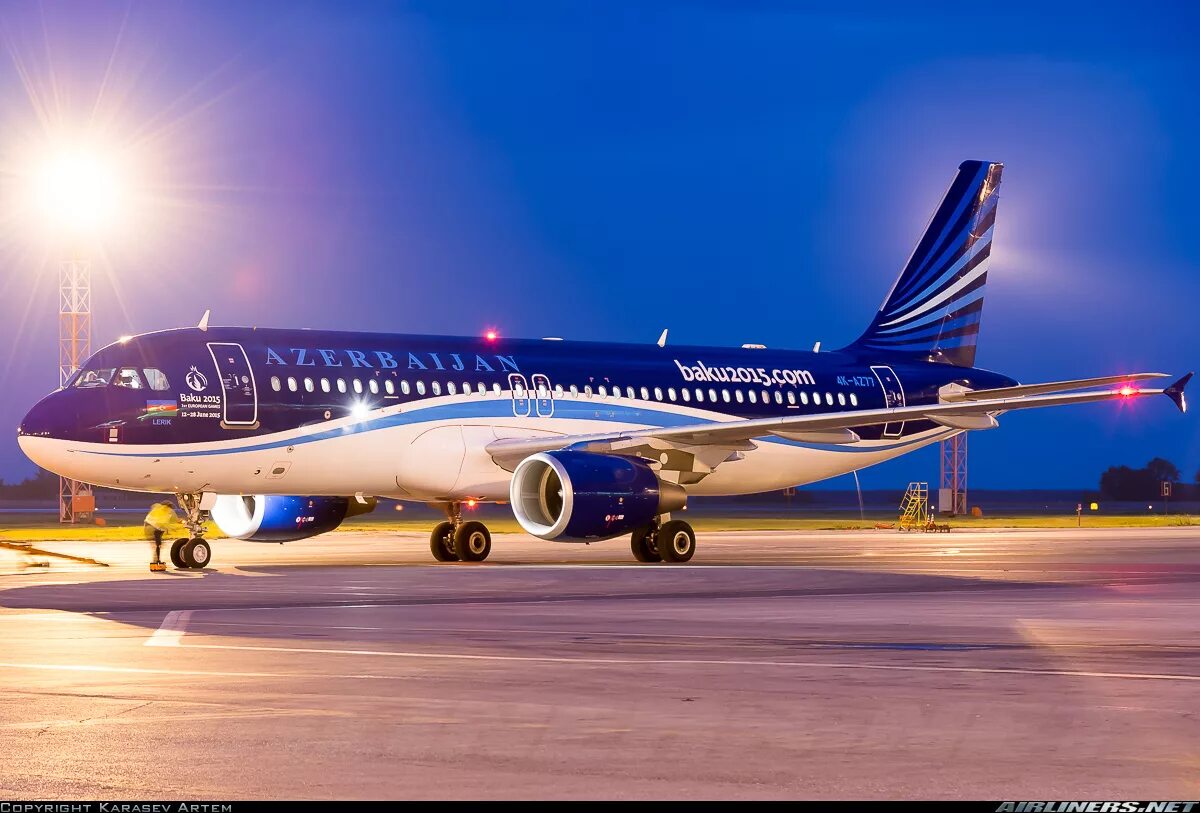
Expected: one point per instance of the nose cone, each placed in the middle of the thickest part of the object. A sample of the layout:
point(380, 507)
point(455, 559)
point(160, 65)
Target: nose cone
point(36, 433)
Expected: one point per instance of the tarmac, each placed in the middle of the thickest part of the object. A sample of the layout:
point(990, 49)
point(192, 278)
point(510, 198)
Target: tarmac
point(996, 665)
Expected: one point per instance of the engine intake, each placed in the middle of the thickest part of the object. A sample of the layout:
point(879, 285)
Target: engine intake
point(583, 496)
point(271, 518)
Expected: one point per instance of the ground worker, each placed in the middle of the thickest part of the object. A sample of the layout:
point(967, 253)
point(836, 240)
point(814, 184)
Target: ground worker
point(158, 522)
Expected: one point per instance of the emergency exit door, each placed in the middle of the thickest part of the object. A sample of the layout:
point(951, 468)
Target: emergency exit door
point(239, 399)
point(893, 396)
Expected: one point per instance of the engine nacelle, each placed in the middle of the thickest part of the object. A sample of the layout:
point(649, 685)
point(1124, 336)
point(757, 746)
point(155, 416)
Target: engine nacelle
point(584, 496)
point(271, 518)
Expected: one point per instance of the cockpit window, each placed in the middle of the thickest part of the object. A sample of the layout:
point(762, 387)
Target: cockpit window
point(128, 377)
point(156, 379)
point(95, 378)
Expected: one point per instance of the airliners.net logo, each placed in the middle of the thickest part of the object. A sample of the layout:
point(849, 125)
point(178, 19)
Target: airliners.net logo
point(1096, 807)
point(703, 373)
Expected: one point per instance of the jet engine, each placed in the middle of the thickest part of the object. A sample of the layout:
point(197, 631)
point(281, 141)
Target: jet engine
point(581, 496)
point(270, 518)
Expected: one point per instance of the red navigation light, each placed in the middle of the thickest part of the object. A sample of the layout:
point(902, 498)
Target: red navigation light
point(491, 335)
point(1128, 391)
point(471, 504)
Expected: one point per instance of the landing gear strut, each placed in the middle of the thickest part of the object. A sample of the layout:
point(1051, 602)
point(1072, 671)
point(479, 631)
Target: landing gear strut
point(673, 542)
point(458, 541)
point(193, 553)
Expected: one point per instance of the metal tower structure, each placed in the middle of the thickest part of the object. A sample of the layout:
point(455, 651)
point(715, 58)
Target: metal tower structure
point(75, 499)
point(952, 495)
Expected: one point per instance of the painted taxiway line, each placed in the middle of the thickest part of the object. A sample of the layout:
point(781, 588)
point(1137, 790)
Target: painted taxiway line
point(643, 662)
point(171, 630)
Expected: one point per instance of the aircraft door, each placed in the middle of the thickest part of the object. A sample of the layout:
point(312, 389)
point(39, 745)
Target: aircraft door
point(239, 399)
point(520, 395)
point(893, 396)
point(545, 397)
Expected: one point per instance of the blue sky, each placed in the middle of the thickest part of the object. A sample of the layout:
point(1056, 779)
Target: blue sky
point(733, 171)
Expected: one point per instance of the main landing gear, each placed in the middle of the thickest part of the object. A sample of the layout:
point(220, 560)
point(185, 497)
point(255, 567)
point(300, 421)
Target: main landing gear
point(458, 541)
point(191, 553)
point(673, 542)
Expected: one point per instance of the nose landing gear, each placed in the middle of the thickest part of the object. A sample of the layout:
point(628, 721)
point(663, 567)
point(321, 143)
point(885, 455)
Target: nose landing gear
point(192, 553)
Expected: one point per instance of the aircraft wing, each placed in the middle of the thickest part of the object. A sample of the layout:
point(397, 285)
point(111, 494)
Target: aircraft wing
point(698, 448)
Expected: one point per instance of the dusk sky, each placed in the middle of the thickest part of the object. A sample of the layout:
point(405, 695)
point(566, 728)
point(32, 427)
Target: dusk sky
point(733, 171)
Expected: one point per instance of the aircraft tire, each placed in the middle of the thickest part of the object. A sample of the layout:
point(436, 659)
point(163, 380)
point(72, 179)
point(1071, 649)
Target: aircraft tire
point(676, 541)
point(196, 554)
point(441, 542)
point(472, 542)
point(642, 545)
point(177, 553)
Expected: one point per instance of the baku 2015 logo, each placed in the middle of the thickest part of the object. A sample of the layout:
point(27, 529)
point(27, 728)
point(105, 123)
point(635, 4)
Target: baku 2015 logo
point(196, 380)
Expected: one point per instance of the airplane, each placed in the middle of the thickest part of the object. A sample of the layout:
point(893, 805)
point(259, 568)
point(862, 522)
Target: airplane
point(278, 435)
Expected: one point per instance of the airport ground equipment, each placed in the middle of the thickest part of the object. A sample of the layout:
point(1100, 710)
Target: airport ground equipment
point(914, 509)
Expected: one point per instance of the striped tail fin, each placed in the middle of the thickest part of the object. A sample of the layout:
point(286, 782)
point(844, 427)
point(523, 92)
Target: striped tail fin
point(933, 311)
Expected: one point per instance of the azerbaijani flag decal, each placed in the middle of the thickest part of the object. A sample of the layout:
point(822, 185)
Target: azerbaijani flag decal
point(160, 409)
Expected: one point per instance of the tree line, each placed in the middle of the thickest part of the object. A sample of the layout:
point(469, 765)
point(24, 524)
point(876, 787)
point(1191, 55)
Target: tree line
point(1125, 483)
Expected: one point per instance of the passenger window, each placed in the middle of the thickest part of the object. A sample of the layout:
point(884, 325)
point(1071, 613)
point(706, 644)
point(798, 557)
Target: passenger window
point(357, 386)
point(574, 391)
point(482, 388)
point(129, 378)
point(603, 391)
point(341, 385)
point(451, 388)
point(420, 388)
point(276, 384)
point(829, 399)
point(466, 388)
point(629, 393)
point(658, 393)
point(324, 385)
point(292, 387)
point(496, 389)
point(686, 393)
point(404, 388)
point(737, 394)
point(671, 393)
point(841, 399)
point(699, 395)
point(309, 386)
point(804, 397)
point(373, 385)
point(389, 387)
point(712, 395)
point(853, 399)
point(817, 398)
point(587, 391)
point(645, 394)
point(725, 396)
point(791, 396)
point(753, 397)
point(436, 387)
point(778, 397)
point(558, 390)
point(156, 380)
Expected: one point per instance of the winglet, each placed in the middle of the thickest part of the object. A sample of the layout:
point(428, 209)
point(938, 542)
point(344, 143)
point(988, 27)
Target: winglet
point(662, 340)
point(204, 320)
point(1175, 392)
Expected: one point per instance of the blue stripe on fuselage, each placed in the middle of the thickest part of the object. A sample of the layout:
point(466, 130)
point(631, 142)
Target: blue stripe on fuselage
point(499, 409)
